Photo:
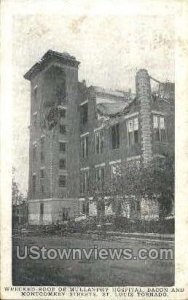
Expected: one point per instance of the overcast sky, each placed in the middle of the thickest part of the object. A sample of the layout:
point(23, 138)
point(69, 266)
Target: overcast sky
point(110, 48)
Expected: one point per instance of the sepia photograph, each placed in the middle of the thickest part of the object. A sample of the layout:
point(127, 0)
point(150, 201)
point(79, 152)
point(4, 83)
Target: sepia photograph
point(93, 108)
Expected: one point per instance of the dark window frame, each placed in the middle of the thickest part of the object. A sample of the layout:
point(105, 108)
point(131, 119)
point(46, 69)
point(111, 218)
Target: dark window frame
point(62, 147)
point(62, 113)
point(115, 136)
point(85, 146)
point(34, 152)
point(35, 119)
point(62, 163)
point(62, 129)
point(99, 141)
point(42, 187)
point(159, 133)
point(41, 209)
point(35, 93)
point(42, 174)
point(62, 180)
point(84, 113)
point(133, 135)
point(84, 181)
point(42, 156)
point(100, 176)
point(34, 181)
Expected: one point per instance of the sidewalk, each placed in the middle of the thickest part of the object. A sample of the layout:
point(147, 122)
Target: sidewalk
point(139, 235)
point(146, 235)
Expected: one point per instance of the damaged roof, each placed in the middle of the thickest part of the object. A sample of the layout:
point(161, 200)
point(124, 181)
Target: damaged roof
point(49, 56)
point(108, 92)
point(113, 109)
point(111, 103)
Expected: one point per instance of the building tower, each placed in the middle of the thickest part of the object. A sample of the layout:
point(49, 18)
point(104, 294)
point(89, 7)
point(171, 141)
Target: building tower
point(54, 139)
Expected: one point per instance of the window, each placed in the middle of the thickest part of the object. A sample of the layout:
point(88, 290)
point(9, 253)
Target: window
point(159, 128)
point(99, 141)
point(85, 208)
point(115, 136)
point(62, 129)
point(41, 173)
point(84, 146)
point(99, 175)
point(65, 214)
point(42, 142)
point(61, 93)
point(42, 149)
point(62, 163)
point(41, 209)
point(84, 113)
point(35, 92)
point(132, 129)
point(42, 156)
point(34, 152)
point(35, 119)
point(84, 181)
point(42, 187)
point(62, 113)
point(62, 180)
point(34, 184)
point(62, 146)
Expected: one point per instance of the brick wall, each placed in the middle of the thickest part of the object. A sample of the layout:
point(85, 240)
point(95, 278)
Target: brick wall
point(46, 93)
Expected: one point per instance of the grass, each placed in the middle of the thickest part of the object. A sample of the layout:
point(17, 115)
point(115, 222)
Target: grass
point(89, 272)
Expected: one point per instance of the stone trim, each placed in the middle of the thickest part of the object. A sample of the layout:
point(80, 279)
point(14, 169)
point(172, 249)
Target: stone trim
point(115, 162)
point(100, 165)
point(84, 102)
point(84, 134)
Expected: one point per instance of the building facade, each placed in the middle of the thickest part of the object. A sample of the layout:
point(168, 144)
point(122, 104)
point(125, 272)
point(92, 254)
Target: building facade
point(79, 136)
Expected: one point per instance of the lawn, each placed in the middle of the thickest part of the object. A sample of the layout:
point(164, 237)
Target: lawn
point(90, 272)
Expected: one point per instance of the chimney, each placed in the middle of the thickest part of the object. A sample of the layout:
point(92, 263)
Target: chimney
point(143, 92)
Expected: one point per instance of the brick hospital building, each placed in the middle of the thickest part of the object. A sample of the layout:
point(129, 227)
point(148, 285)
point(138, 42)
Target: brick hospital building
point(79, 135)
